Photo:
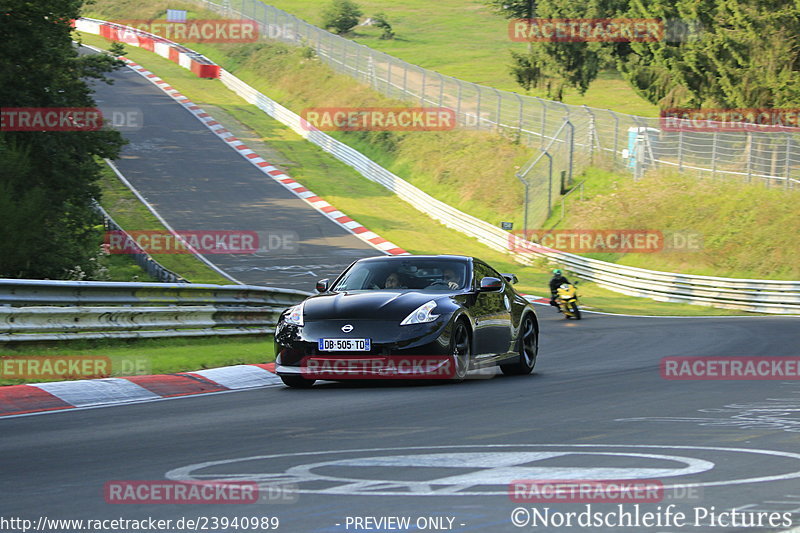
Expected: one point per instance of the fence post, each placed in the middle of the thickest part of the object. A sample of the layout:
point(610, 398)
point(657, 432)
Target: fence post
point(714, 155)
point(478, 110)
point(422, 94)
point(389, 77)
point(788, 155)
point(571, 146)
point(405, 78)
point(441, 88)
point(616, 132)
point(749, 142)
point(458, 102)
point(544, 121)
point(499, 103)
point(680, 149)
point(549, 183)
point(519, 118)
point(592, 133)
point(525, 213)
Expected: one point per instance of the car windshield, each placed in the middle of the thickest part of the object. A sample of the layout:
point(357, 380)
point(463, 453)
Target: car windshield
point(405, 274)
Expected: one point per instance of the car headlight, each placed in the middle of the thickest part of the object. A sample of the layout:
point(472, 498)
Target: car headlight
point(422, 314)
point(294, 315)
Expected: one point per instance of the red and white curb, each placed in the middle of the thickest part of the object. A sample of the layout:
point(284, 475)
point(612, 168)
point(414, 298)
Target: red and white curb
point(268, 169)
point(18, 400)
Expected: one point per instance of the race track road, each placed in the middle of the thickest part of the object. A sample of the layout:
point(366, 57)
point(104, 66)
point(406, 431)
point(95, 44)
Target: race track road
point(596, 407)
point(197, 182)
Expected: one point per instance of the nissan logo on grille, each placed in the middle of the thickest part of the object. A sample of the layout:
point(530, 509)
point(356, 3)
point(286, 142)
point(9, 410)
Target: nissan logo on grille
point(347, 328)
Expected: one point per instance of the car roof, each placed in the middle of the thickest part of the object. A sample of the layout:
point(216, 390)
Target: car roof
point(464, 258)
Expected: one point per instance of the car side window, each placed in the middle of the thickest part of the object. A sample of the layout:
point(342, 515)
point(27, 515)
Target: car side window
point(482, 271)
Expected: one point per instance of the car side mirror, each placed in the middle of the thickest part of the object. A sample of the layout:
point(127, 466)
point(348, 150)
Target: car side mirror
point(322, 285)
point(511, 278)
point(489, 284)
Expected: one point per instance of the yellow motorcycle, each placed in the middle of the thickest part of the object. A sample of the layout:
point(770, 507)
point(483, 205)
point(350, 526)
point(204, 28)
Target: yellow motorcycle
point(567, 300)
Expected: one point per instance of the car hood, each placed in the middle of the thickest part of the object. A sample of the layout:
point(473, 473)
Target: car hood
point(375, 305)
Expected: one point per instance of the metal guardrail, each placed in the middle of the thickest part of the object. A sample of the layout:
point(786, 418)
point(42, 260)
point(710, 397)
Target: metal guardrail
point(140, 256)
point(42, 310)
point(764, 296)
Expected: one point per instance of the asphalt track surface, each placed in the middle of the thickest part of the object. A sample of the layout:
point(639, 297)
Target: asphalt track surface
point(595, 407)
point(595, 401)
point(197, 182)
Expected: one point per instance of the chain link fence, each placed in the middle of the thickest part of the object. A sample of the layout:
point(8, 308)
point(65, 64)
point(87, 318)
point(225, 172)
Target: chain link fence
point(631, 142)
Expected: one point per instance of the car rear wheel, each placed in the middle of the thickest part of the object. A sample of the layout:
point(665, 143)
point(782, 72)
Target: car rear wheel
point(528, 350)
point(297, 382)
point(460, 350)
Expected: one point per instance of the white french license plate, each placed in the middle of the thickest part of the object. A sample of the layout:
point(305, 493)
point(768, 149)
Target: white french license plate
point(344, 345)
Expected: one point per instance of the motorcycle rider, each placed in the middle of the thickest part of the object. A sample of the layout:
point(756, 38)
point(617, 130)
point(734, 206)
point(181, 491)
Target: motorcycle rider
point(555, 282)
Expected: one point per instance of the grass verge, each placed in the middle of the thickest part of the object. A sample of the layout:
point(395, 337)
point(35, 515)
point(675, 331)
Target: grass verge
point(132, 215)
point(160, 356)
point(365, 201)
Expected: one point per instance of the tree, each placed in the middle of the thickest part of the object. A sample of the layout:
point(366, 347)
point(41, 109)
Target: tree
point(382, 22)
point(513, 9)
point(746, 54)
point(730, 54)
point(341, 16)
point(48, 178)
point(555, 65)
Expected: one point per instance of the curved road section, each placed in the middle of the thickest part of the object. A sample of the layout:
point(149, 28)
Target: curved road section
point(429, 457)
point(198, 183)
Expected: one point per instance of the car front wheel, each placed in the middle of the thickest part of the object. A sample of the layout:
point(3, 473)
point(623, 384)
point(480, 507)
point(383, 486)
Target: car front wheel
point(460, 350)
point(528, 350)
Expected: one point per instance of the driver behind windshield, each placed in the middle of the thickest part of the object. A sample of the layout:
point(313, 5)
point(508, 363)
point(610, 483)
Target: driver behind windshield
point(449, 279)
point(393, 282)
point(452, 279)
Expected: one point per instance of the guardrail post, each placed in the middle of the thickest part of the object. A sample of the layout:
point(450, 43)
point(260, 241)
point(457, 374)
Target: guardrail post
point(405, 79)
point(441, 89)
point(680, 150)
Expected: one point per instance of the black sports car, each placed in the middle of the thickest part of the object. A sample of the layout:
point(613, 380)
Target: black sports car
point(408, 317)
